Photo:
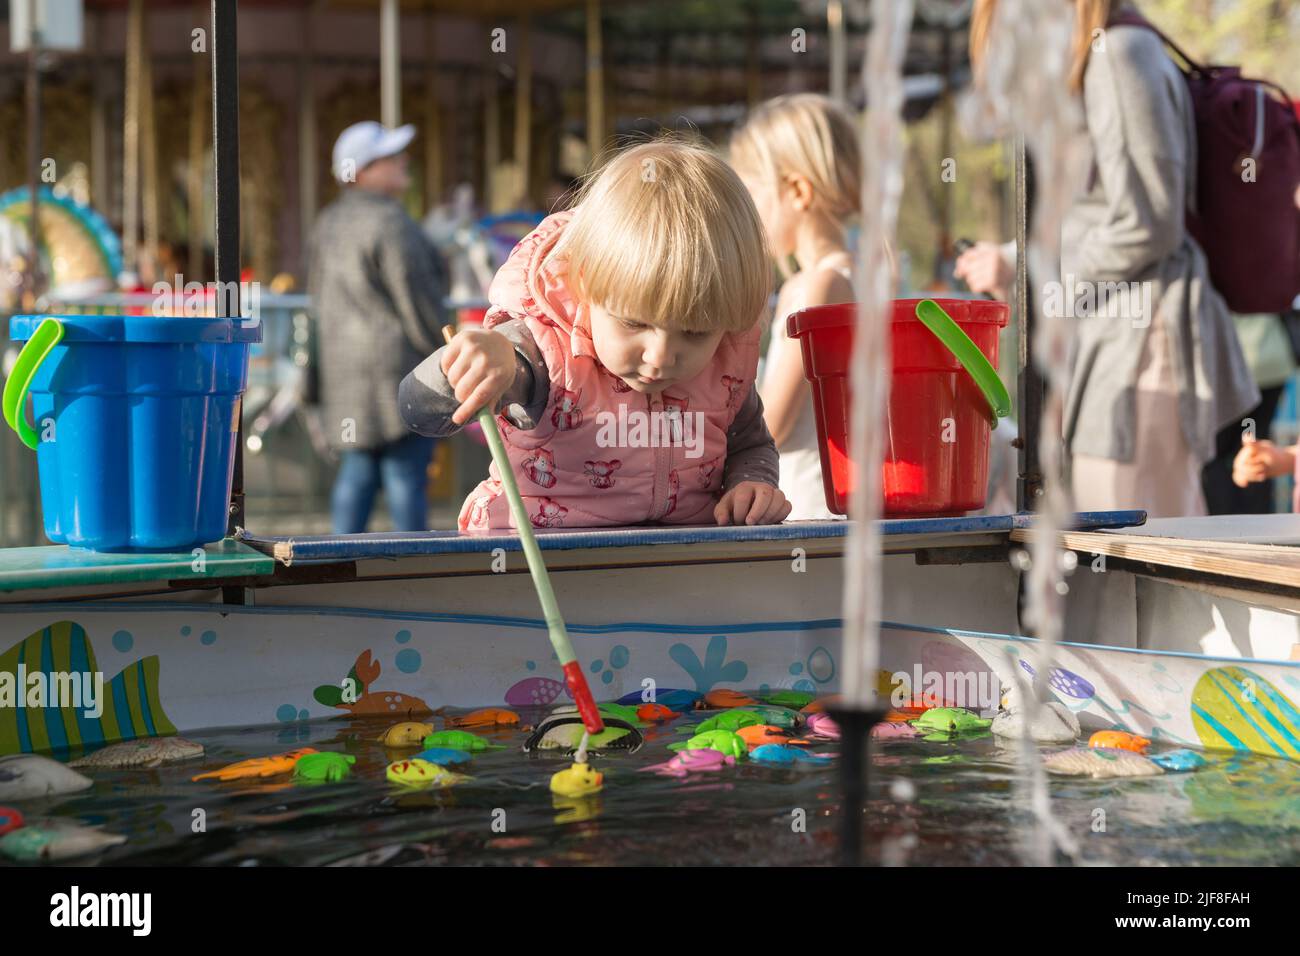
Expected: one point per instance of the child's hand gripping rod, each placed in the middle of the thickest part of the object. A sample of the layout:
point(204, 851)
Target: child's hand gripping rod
point(573, 675)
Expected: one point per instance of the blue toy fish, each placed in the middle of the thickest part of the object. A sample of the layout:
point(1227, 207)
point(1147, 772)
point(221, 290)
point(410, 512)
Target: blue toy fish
point(783, 755)
point(678, 700)
point(1178, 761)
point(443, 756)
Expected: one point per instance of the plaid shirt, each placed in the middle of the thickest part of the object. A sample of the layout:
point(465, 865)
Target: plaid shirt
point(377, 287)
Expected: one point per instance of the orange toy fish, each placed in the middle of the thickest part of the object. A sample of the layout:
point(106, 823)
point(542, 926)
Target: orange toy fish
point(486, 717)
point(819, 705)
point(1119, 740)
point(655, 713)
point(722, 698)
point(257, 766)
point(758, 734)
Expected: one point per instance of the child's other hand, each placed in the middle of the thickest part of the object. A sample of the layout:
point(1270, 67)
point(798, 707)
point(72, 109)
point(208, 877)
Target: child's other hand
point(984, 270)
point(752, 502)
point(1259, 461)
point(480, 365)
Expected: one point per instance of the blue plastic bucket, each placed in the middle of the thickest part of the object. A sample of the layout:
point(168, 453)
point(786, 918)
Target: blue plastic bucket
point(135, 426)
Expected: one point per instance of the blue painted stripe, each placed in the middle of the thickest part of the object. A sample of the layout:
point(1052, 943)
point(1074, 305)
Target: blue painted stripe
point(122, 707)
point(1265, 689)
point(1218, 728)
point(90, 728)
point(142, 690)
point(20, 708)
point(52, 713)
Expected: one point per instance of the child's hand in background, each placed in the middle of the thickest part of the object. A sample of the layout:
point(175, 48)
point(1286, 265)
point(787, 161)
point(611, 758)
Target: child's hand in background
point(480, 365)
point(1259, 461)
point(752, 502)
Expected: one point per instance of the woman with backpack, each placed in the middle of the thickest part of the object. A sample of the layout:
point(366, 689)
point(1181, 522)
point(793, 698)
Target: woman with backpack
point(1157, 371)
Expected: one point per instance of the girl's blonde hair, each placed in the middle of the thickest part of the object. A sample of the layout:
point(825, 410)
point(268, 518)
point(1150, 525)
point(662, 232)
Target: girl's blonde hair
point(666, 234)
point(1089, 17)
point(809, 135)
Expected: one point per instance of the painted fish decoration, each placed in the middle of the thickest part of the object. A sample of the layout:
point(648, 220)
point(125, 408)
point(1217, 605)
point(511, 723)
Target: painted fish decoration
point(409, 733)
point(131, 703)
point(31, 776)
point(56, 839)
point(692, 761)
point(356, 694)
point(1099, 762)
point(258, 766)
point(141, 754)
point(536, 692)
point(1234, 708)
point(785, 755)
point(1065, 682)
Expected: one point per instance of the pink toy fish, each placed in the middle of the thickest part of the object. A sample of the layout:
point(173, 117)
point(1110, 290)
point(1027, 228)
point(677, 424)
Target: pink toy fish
point(821, 725)
point(893, 730)
point(693, 761)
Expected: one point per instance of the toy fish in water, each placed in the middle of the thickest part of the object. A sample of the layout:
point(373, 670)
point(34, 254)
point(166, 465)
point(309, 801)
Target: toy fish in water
point(30, 776)
point(724, 699)
point(460, 740)
point(564, 732)
point(723, 741)
point(142, 754)
point(443, 756)
point(692, 761)
point(1178, 761)
point(407, 734)
point(789, 698)
point(674, 698)
point(893, 730)
point(943, 723)
point(419, 774)
point(257, 767)
point(820, 705)
point(822, 727)
point(1119, 740)
point(785, 755)
point(323, 767)
point(656, 713)
point(56, 839)
point(778, 716)
point(485, 717)
point(130, 702)
point(355, 694)
point(731, 720)
point(1099, 762)
point(759, 734)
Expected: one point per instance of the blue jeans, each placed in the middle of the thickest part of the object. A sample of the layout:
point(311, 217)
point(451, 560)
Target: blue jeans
point(402, 467)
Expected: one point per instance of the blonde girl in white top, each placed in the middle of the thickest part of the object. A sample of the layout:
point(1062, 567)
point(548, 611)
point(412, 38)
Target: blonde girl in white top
point(798, 156)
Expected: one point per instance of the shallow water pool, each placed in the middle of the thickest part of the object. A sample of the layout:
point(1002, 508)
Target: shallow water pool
point(931, 803)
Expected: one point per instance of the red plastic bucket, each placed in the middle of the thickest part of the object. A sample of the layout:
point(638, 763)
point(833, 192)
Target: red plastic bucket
point(938, 420)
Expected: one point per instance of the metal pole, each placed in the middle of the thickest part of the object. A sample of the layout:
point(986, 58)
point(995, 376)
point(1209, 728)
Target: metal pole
point(33, 155)
point(390, 89)
point(1029, 383)
point(225, 168)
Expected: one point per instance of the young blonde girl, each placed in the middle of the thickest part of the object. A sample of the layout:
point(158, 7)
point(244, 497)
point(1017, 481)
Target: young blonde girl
point(620, 352)
point(798, 157)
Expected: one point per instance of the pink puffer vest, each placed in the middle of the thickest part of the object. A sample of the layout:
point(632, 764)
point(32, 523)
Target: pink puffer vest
point(603, 454)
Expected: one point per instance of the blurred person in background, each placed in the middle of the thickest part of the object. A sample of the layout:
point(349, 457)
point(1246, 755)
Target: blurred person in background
point(377, 288)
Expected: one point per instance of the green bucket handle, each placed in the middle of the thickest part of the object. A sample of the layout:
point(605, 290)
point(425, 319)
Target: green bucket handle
point(934, 318)
point(47, 335)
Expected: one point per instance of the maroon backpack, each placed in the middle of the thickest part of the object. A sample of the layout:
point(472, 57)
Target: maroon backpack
point(1250, 230)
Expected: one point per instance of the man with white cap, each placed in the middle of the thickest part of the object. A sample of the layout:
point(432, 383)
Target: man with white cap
point(377, 287)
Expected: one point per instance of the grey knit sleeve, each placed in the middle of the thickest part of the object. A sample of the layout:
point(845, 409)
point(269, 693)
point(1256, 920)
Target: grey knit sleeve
point(427, 399)
point(751, 452)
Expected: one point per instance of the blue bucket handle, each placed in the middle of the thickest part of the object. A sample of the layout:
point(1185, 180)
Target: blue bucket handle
point(47, 335)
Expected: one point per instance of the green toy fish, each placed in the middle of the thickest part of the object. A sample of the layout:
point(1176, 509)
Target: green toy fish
point(945, 723)
point(460, 740)
point(723, 741)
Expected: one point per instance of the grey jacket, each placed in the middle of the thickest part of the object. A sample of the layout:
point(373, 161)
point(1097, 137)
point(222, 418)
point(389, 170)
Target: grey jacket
point(427, 401)
point(377, 287)
point(1128, 227)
